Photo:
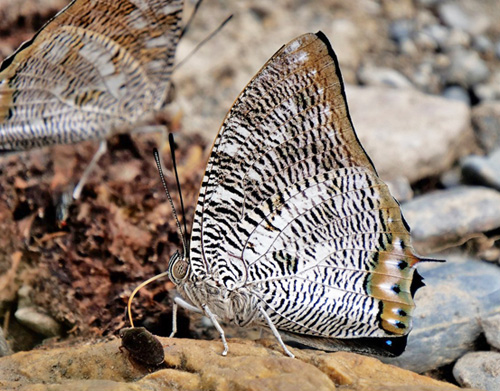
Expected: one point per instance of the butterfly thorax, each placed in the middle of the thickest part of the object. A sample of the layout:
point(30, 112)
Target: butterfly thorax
point(234, 304)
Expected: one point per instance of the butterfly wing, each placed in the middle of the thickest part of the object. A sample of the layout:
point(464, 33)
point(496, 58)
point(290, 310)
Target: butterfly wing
point(292, 209)
point(96, 66)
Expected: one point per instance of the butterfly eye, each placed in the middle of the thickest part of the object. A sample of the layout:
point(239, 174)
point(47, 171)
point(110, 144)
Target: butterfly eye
point(178, 268)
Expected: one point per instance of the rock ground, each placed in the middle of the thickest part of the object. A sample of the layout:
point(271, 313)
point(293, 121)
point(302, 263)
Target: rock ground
point(198, 365)
point(121, 232)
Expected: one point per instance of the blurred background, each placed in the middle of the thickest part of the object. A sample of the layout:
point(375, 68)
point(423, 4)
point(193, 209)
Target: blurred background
point(423, 87)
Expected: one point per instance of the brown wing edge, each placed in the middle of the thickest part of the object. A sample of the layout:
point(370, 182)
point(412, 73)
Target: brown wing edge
point(26, 44)
point(322, 37)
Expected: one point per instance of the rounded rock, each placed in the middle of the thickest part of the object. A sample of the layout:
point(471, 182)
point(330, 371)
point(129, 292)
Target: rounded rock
point(479, 370)
point(457, 93)
point(486, 125)
point(480, 170)
point(408, 133)
point(446, 322)
point(491, 328)
point(376, 76)
point(447, 218)
point(38, 321)
point(466, 69)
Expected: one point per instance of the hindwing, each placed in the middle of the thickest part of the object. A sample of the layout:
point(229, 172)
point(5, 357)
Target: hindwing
point(292, 210)
point(96, 66)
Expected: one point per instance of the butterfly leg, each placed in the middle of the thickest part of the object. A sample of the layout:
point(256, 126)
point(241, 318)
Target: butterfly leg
point(178, 301)
point(218, 327)
point(174, 320)
point(275, 332)
point(103, 146)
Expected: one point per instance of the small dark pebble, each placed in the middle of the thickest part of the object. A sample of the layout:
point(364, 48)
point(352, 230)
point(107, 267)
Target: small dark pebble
point(143, 347)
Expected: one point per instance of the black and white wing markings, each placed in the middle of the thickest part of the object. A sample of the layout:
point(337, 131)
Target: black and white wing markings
point(290, 196)
point(96, 66)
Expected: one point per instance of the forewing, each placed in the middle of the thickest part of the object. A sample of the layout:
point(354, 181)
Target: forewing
point(97, 65)
point(292, 209)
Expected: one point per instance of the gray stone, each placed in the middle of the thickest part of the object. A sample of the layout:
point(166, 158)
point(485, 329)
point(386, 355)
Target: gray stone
point(452, 177)
point(482, 44)
point(491, 328)
point(466, 68)
point(429, 3)
point(457, 93)
point(408, 133)
point(456, 40)
point(459, 16)
point(446, 315)
point(401, 29)
point(425, 41)
point(482, 170)
point(479, 370)
point(408, 47)
point(376, 76)
point(438, 33)
point(454, 16)
point(486, 125)
point(490, 89)
point(38, 321)
point(497, 49)
point(447, 218)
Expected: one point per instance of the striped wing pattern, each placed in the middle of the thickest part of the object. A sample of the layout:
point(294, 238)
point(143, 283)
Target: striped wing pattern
point(96, 66)
point(292, 211)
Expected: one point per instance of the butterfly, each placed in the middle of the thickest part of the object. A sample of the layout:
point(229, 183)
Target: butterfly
point(293, 229)
point(97, 68)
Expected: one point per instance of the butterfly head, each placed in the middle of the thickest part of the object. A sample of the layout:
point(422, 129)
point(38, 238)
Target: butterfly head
point(178, 268)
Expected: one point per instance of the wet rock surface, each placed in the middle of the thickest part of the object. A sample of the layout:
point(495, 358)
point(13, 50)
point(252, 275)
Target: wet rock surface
point(198, 365)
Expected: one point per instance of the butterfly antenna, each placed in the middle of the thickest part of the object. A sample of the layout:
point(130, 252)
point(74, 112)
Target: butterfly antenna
point(191, 18)
point(174, 163)
point(208, 38)
point(142, 285)
point(164, 183)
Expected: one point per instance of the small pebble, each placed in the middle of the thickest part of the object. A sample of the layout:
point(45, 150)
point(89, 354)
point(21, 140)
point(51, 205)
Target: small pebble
point(401, 29)
point(482, 44)
point(457, 93)
point(482, 170)
point(38, 321)
point(486, 125)
point(466, 69)
point(376, 76)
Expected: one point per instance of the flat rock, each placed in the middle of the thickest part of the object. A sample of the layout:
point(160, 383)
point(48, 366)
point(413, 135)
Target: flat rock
point(479, 370)
point(408, 133)
point(450, 217)
point(446, 320)
point(198, 365)
point(378, 76)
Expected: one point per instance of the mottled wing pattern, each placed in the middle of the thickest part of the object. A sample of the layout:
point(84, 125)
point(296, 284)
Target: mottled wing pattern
point(96, 66)
point(292, 208)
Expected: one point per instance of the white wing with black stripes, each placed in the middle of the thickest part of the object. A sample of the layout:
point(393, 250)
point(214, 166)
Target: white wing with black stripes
point(293, 217)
